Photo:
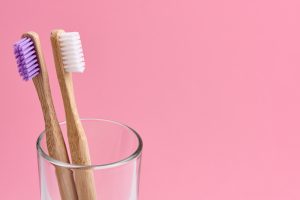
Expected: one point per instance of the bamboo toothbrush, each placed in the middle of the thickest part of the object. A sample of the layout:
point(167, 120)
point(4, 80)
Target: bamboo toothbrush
point(31, 65)
point(68, 57)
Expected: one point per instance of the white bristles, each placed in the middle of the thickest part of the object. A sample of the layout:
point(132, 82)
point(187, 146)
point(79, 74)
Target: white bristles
point(71, 52)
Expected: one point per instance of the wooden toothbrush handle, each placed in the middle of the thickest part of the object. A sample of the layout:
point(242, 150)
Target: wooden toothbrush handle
point(54, 138)
point(57, 149)
point(84, 179)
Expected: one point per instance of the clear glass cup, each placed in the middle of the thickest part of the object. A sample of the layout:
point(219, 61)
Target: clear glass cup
point(115, 151)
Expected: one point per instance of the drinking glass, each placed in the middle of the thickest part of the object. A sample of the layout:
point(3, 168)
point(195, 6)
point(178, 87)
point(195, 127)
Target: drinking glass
point(115, 151)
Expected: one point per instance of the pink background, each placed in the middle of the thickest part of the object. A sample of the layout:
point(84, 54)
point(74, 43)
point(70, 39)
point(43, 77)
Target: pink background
point(212, 87)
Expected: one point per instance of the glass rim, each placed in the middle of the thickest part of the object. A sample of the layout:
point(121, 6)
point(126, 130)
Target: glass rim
point(136, 154)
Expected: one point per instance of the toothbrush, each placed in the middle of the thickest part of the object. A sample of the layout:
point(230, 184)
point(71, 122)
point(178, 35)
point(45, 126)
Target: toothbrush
point(68, 57)
point(31, 65)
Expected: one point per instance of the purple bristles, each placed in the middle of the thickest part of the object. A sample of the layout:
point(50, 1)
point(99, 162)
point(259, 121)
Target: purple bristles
point(27, 61)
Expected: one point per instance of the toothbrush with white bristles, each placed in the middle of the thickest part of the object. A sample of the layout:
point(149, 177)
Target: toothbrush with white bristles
point(68, 57)
point(31, 65)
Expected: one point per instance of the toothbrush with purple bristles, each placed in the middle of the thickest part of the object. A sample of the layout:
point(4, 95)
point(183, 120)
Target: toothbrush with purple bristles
point(31, 65)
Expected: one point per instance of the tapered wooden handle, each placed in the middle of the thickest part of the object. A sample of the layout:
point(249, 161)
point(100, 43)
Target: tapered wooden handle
point(84, 179)
point(55, 141)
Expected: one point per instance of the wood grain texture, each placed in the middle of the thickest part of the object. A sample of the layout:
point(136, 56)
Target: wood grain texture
point(84, 179)
point(55, 142)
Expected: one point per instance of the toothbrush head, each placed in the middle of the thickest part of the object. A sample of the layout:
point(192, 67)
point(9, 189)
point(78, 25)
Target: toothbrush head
point(26, 57)
point(71, 52)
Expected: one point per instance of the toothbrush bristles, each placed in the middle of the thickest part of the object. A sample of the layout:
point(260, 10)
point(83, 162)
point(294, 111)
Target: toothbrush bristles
point(28, 65)
point(71, 52)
